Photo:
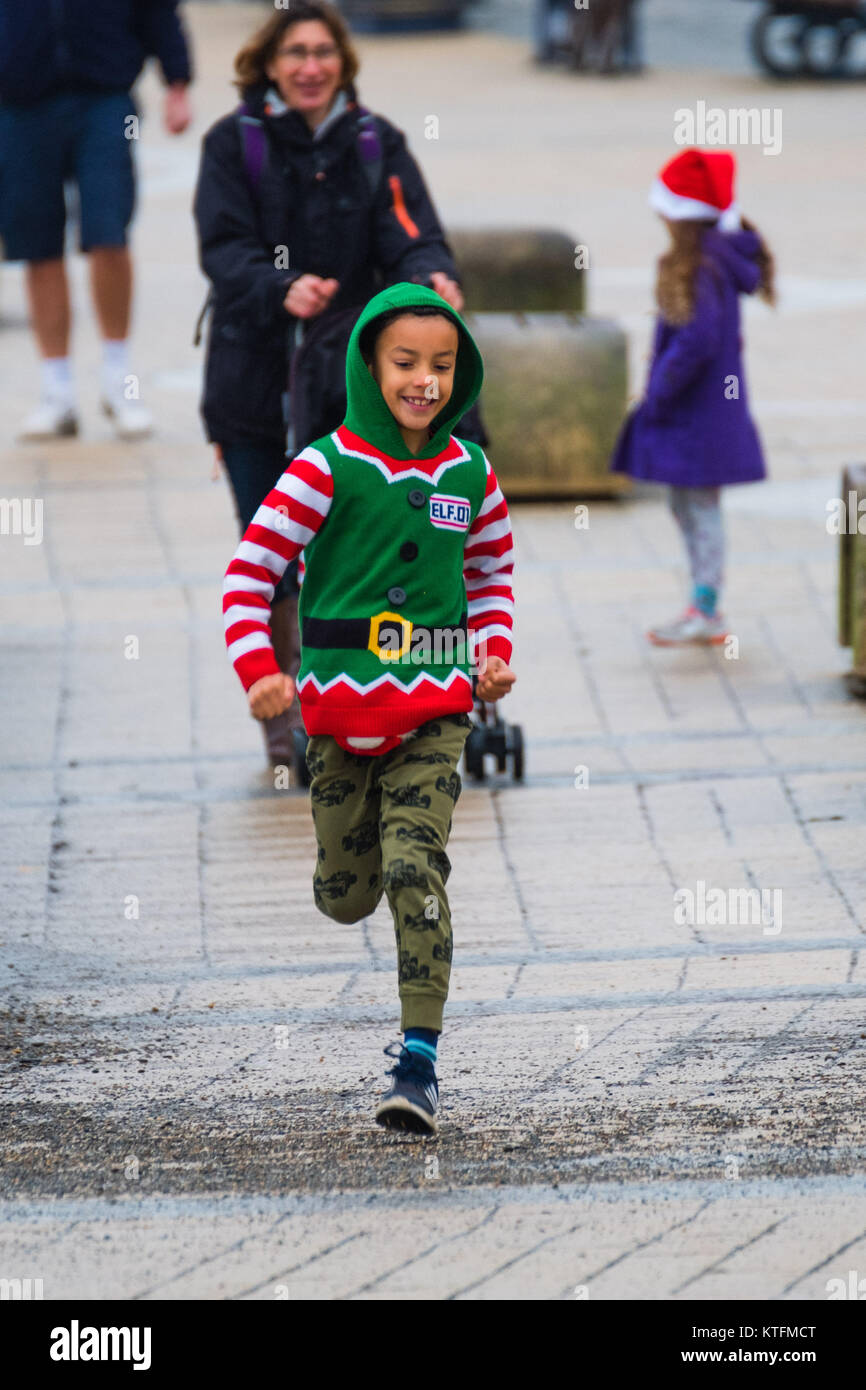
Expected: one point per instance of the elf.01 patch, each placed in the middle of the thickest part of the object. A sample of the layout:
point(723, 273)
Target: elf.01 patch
point(449, 513)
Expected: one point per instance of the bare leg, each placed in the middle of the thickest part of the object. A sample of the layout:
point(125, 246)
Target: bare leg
point(48, 295)
point(111, 284)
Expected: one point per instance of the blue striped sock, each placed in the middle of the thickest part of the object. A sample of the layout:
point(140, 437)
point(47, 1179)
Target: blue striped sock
point(421, 1041)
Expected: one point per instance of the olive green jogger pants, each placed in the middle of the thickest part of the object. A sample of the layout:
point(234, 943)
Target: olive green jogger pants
point(382, 825)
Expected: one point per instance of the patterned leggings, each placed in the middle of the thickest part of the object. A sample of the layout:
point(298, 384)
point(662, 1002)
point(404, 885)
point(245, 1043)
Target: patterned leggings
point(699, 514)
point(382, 826)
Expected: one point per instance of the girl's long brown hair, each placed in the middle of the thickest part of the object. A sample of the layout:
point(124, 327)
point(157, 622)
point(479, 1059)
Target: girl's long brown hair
point(678, 267)
point(259, 50)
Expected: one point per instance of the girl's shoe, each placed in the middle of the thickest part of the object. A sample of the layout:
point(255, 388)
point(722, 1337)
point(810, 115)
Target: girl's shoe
point(413, 1099)
point(693, 628)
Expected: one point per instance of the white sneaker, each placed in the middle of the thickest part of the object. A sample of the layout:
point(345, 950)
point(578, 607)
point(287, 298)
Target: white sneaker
point(52, 419)
point(693, 628)
point(131, 419)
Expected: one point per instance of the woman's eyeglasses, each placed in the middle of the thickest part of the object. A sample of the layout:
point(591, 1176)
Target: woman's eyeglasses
point(297, 54)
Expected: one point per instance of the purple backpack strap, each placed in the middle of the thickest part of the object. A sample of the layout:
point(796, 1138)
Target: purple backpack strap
point(253, 145)
point(370, 147)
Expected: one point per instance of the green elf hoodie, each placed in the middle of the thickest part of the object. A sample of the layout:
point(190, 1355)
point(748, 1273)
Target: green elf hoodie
point(404, 556)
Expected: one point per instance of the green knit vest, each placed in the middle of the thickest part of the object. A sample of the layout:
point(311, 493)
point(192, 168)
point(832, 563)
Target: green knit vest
point(391, 547)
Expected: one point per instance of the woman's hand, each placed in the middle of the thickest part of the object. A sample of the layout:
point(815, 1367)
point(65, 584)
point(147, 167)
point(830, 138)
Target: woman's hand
point(271, 695)
point(495, 679)
point(176, 111)
point(309, 295)
point(448, 289)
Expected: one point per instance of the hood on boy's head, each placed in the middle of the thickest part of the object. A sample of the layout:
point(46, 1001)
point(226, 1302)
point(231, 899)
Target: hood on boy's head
point(367, 414)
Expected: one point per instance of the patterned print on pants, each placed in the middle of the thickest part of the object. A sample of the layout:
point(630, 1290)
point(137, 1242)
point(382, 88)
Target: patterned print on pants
point(698, 512)
point(382, 826)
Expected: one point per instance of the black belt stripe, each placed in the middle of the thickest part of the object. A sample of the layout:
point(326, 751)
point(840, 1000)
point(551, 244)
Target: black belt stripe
point(353, 633)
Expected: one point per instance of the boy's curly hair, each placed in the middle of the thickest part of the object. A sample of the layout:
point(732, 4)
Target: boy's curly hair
point(372, 331)
point(678, 268)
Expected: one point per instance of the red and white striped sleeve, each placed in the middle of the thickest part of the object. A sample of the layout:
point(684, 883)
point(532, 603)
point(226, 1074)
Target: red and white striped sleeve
point(488, 562)
point(287, 520)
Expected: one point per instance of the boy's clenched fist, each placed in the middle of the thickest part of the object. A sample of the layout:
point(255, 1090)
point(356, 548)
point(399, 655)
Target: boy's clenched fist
point(495, 679)
point(271, 695)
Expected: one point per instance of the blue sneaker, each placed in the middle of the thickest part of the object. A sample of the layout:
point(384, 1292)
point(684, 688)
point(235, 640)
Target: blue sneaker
point(413, 1099)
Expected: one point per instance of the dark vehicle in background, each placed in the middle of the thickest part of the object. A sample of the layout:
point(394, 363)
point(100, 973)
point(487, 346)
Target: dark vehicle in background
point(811, 38)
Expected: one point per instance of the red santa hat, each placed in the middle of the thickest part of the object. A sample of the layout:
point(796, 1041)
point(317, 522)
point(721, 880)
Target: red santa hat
point(698, 184)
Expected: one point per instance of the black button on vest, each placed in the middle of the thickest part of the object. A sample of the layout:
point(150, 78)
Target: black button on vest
point(417, 498)
point(408, 551)
point(396, 595)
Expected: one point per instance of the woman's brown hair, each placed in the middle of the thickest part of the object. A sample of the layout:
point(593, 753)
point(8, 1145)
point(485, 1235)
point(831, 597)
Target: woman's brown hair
point(678, 267)
point(261, 49)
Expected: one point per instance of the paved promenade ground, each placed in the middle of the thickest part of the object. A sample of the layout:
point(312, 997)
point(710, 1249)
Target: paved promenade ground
point(633, 1107)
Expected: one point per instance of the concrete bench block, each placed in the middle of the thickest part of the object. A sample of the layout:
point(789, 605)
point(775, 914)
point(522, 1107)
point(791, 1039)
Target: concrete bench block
point(518, 269)
point(553, 401)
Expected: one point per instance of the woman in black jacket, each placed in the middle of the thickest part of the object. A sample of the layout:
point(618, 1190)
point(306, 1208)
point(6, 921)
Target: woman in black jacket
point(306, 205)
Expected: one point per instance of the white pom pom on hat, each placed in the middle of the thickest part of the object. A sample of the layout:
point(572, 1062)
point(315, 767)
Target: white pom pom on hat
point(698, 184)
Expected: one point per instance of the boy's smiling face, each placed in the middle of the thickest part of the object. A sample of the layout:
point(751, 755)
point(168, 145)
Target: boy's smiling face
point(413, 365)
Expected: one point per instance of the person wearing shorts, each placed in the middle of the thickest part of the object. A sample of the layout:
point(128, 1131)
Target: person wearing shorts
point(68, 125)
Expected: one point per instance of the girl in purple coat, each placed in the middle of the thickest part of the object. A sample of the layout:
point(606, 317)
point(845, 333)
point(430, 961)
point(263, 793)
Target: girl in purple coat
point(693, 429)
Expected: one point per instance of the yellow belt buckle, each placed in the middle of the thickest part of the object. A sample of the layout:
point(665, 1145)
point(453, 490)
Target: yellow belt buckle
point(375, 625)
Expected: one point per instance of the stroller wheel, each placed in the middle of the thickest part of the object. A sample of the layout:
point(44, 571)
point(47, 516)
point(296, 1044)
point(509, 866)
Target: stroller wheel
point(299, 742)
point(517, 752)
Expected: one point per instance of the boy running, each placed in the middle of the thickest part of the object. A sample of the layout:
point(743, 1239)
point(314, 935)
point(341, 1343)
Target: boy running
point(407, 553)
